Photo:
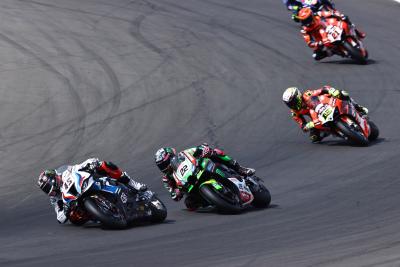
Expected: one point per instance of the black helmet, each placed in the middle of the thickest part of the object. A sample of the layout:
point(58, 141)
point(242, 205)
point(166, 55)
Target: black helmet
point(163, 158)
point(48, 182)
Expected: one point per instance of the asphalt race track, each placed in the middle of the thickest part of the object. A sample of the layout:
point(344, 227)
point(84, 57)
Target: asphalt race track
point(119, 79)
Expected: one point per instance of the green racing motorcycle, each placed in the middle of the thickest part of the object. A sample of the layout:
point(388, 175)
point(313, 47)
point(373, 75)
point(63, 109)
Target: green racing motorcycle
point(219, 186)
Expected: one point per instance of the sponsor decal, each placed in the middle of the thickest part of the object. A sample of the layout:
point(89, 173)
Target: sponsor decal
point(124, 197)
point(245, 197)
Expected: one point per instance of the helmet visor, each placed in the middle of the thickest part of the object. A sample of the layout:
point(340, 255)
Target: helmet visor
point(295, 103)
point(308, 21)
point(47, 187)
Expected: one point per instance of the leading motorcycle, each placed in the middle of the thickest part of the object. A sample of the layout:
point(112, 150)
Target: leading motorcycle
point(106, 200)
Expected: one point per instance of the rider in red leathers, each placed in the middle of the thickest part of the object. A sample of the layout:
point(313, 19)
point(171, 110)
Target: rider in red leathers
point(314, 33)
point(50, 182)
point(302, 105)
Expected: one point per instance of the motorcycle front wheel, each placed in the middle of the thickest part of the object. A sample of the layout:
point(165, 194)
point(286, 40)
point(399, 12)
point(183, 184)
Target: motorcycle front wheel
point(106, 211)
point(227, 202)
point(352, 135)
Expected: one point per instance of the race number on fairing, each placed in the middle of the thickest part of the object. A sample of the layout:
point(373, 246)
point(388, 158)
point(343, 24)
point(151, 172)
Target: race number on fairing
point(325, 112)
point(334, 33)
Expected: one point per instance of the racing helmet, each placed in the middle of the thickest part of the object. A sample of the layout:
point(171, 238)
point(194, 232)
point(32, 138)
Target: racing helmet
point(293, 98)
point(48, 182)
point(163, 158)
point(306, 17)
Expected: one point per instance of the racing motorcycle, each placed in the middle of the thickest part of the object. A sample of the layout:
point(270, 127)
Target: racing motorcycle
point(340, 118)
point(106, 200)
point(343, 41)
point(219, 186)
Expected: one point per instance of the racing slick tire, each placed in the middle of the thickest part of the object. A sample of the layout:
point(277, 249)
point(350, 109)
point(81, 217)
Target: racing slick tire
point(352, 135)
point(355, 53)
point(106, 211)
point(223, 203)
point(374, 131)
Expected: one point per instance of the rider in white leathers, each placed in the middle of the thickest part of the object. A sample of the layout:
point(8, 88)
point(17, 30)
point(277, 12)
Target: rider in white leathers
point(50, 181)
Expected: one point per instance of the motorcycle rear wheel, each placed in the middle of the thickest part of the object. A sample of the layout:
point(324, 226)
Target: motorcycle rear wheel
point(262, 198)
point(220, 201)
point(355, 53)
point(374, 131)
point(106, 211)
point(354, 136)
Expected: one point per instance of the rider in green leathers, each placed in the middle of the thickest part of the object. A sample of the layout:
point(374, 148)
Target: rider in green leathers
point(166, 160)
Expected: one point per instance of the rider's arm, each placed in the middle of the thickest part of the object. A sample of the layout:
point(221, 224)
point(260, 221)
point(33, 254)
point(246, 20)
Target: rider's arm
point(299, 118)
point(310, 41)
point(58, 206)
point(101, 167)
point(170, 184)
point(329, 90)
point(215, 154)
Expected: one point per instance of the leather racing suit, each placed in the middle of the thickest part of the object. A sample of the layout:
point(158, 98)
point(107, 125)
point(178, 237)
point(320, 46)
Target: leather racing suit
point(192, 202)
point(96, 167)
point(308, 103)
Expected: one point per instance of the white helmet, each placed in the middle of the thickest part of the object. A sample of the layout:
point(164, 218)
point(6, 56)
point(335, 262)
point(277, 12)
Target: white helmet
point(292, 98)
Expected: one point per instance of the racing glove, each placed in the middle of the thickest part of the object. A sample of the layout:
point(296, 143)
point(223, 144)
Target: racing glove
point(309, 125)
point(60, 210)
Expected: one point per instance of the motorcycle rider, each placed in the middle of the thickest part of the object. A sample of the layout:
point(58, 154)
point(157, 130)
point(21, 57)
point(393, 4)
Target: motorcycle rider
point(50, 182)
point(301, 104)
point(166, 160)
point(313, 30)
point(295, 5)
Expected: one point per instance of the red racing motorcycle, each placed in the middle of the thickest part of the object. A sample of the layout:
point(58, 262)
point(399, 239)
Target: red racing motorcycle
point(340, 118)
point(342, 40)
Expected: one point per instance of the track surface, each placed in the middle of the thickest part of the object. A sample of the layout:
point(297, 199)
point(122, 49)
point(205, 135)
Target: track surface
point(118, 79)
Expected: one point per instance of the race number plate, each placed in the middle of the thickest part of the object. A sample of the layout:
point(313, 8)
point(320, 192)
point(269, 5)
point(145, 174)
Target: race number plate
point(334, 33)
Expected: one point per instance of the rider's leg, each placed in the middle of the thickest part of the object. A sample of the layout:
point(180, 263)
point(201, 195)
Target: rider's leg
point(221, 157)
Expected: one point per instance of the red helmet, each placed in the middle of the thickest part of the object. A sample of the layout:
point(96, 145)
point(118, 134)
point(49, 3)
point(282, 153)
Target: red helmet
point(306, 17)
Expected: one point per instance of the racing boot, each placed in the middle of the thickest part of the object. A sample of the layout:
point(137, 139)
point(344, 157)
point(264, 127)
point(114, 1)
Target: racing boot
point(363, 110)
point(132, 184)
point(243, 170)
point(360, 34)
